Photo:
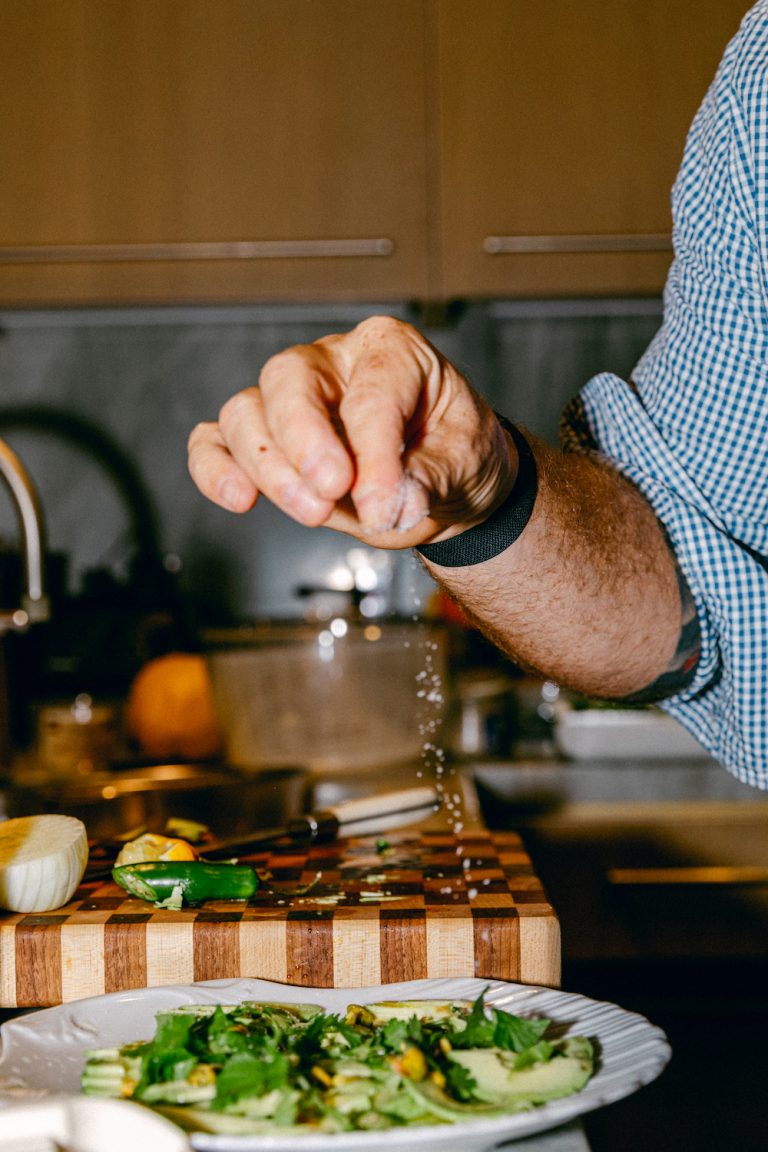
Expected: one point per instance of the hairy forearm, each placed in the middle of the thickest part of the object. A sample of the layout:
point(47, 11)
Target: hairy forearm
point(588, 594)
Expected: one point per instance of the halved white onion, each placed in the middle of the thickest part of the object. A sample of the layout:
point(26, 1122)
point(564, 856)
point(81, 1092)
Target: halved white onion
point(42, 861)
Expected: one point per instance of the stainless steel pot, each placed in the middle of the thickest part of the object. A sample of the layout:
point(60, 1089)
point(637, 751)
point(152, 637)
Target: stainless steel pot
point(340, 697)
point(112, 803)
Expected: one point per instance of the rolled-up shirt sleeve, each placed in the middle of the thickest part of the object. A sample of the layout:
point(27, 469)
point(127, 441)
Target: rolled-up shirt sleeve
point(691, 431)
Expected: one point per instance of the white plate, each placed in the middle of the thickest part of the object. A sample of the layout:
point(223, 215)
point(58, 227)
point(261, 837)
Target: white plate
point(43, 1052)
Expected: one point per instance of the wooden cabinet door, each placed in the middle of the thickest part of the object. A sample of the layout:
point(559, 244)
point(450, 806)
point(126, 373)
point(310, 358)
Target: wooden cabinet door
point(158, 150)
point(562, 125)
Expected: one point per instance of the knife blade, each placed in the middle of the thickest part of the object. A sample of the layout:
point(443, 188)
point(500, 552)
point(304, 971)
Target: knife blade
point(363, 816)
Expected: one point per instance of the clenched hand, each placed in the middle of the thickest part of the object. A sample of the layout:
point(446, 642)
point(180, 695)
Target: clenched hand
point(373, 433)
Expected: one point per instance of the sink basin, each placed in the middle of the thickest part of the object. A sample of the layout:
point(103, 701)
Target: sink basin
point(118, 801)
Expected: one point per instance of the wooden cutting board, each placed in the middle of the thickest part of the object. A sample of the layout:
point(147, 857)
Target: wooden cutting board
point(339, 915)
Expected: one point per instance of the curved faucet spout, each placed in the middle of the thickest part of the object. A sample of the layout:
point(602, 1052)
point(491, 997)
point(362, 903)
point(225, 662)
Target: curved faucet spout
point(34, 605)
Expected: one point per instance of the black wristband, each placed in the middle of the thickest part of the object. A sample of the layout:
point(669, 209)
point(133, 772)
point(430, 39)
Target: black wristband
point(503, 526)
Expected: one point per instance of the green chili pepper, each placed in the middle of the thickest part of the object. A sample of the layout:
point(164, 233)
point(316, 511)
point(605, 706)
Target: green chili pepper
point(186, 881)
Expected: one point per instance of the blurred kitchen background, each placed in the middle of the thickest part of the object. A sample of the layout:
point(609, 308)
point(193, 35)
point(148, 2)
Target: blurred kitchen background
point(190, 186)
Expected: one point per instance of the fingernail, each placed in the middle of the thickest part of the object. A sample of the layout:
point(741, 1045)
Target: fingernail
point(415, 505)
point(230, 495)
point(379, 510)
point(303, 505)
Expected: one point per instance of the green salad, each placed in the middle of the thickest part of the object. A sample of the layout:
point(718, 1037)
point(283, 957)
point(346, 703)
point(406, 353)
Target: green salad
point(269, 1068)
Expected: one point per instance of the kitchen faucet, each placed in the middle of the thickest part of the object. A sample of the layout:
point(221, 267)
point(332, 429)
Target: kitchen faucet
point(34, 606)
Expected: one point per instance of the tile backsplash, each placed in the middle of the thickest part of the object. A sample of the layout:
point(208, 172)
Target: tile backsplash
point(146, 376)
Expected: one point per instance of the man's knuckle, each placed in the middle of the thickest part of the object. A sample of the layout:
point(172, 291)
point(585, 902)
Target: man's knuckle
point(197, 436)
point(234, 409)
point(380, 328)
point(282, 367)
point(197, 465)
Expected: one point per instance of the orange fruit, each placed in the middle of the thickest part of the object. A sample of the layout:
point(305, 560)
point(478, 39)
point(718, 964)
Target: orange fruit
point(170, 709)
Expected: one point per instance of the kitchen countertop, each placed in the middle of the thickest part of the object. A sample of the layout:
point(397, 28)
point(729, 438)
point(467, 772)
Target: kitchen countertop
point(545, 787)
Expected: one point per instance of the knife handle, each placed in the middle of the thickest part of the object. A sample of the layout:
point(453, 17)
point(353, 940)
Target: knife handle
point(368, 814)
point(384, 804)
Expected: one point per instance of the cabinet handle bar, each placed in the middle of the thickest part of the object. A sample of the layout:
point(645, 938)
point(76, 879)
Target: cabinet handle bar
point(224, 250)
point(607, 242)
point(689, 877)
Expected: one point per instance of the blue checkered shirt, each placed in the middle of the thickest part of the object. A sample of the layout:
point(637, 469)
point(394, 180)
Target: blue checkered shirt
point(694, 435)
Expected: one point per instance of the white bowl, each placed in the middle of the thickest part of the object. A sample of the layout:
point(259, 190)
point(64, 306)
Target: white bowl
point(87, 1124)
point(623, 734)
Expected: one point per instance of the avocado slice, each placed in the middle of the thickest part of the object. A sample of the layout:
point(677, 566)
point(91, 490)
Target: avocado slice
point(436, 1102)
point(385, 1010)
point(499, 1082)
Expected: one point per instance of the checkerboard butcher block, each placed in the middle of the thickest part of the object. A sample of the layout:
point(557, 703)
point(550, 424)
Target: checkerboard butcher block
point(336, 915)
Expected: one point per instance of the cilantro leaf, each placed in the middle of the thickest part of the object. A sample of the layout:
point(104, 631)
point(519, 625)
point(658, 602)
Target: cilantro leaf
point(225, 1035)
point(479, 1029)
point(459, 1081)
point(164, 1066)
point(489, 1027)
point(394, 1035)
point(247, 1075)
point(538, 1053)
point(173, 1030)
point(514, 1033)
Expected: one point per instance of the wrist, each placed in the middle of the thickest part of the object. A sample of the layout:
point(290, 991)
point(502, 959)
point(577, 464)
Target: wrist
point(504, 523)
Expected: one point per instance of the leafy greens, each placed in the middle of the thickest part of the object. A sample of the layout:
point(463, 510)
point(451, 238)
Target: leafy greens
point(257, 1068)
